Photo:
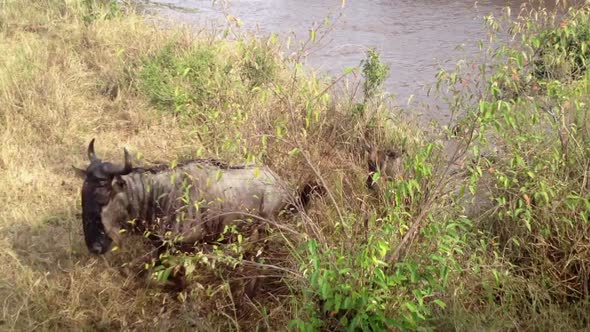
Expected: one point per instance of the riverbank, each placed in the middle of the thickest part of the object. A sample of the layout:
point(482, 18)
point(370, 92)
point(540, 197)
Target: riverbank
point(412, 254)
point(415, 39)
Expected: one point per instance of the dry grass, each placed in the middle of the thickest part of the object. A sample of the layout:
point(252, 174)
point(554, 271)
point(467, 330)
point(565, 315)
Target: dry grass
point(63, 81)
point(52, 105)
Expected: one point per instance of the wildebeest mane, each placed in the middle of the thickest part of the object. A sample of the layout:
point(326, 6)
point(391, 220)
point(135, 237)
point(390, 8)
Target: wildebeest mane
point(162, 167)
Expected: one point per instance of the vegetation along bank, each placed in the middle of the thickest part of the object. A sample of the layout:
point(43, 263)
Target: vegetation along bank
point(481, 225)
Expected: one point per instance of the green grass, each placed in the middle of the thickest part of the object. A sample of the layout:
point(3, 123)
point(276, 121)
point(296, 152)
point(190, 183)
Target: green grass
point(180, 82)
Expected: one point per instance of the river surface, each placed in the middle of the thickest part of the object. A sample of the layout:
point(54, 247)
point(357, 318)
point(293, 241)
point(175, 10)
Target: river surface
point(414, 37)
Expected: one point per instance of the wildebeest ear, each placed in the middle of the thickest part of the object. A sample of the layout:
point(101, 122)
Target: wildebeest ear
point(79, 172)
point(393, 154)
point(118, 184)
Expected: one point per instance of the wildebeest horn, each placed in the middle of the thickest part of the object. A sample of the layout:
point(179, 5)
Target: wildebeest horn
point(113, 170)
point(128, 166)
point(91, 155)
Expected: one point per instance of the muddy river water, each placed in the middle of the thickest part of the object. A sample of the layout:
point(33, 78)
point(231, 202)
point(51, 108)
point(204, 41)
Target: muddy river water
point(414, 37)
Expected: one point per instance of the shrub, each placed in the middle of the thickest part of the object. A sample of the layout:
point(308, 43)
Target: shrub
point(180, 82)
point(528, 153)
point(562, 51)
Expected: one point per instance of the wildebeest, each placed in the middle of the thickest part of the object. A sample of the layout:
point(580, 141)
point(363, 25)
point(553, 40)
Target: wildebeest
point(192, 201)
point(386, 162)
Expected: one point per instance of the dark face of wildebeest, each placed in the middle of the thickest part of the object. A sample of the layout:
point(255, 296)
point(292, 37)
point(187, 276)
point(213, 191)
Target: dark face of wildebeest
point(387, 162)
point(96, 192)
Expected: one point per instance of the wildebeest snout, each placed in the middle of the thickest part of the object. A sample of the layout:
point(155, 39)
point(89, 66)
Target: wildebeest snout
point(98, 248)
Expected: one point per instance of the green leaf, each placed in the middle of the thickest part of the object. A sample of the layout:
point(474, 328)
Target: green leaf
point(347, 303)
point(376, 176)
point(325, 289)
point(349, 70)
point(337, 301)
point(440, 303)
point(163, 276)
point(412, 307)
point(294, 152)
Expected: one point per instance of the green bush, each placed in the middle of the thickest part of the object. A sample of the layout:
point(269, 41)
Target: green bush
point(562, 52)
point(528, 139)
point(374, 72)
point(259, 65)
point(363, 286)
point(180, 82)
point(100, 10)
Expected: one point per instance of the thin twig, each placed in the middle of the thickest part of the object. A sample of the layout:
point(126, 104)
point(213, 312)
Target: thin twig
point(319, 176)
point(409, 237)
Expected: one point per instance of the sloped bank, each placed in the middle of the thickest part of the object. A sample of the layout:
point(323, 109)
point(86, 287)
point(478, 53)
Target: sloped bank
point(401, 255)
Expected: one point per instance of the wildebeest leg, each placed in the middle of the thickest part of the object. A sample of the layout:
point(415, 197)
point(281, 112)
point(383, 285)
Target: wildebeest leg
point(176, 280)
point(259, 234)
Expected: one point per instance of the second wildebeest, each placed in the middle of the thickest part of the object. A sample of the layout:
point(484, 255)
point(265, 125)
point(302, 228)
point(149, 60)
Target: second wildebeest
point(387, 162)
point(192, 202)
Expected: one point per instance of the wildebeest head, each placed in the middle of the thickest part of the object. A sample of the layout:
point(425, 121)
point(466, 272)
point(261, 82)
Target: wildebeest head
point(386, 162)
point(97, 190)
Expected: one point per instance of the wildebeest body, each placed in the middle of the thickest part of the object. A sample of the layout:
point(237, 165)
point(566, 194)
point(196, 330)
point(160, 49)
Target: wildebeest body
point(193, 201)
